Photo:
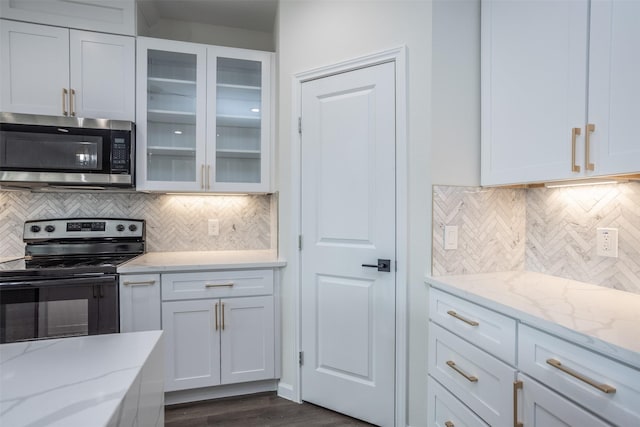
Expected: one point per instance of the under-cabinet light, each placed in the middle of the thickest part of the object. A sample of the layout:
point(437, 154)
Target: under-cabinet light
point(580, 183)
point(255, 110)
point(177, 132)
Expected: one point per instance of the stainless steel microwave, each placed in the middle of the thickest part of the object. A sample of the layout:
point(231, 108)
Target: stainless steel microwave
point(50, 151)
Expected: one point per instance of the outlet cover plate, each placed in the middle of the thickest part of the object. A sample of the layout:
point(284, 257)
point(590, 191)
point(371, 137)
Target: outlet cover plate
point(450, 237)
point(213, 227)
point(607, 242)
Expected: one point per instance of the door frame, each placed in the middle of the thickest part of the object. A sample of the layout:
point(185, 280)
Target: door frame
point(398, 56)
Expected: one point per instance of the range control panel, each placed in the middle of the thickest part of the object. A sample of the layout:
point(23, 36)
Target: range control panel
point(83, 228)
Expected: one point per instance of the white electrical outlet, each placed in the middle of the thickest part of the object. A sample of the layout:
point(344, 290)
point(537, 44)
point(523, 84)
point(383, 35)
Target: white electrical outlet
point(214, 227)
point(450, 237)
point(607, 241)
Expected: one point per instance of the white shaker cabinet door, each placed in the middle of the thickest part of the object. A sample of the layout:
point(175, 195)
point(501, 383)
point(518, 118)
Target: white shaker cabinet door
point(192, 344)
point(534, 64)
point(140, 302)
point(102, 79)
point(614, 87)
point(247, 339)
point(34, 70)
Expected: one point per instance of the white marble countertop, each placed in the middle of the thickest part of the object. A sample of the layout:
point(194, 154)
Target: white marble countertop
point(603, 319)
point(79, 381)
point(158, 262)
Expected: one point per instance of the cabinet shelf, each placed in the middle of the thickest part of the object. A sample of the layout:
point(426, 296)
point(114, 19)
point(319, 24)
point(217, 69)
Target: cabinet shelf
point(238, 121)
point(238, 154)
point(159, 85)
point(171, 151)
point(242, 87)
point(171, 116)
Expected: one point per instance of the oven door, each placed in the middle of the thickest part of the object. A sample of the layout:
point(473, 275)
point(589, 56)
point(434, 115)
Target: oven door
point(40, 309)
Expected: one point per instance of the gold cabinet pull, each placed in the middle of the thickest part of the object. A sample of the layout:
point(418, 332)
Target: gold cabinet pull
point(465, 320)
point(228, 284)
point(140, 283)
point(517, 385)
point(72, 98)
point(574, 133)
point(222, 308)
point(602, 387)
point(208, 177)
point(216, 316)
point(202, 177)
point(449, 424)
point(64, 102)
point(469, 378)
point(587, 149)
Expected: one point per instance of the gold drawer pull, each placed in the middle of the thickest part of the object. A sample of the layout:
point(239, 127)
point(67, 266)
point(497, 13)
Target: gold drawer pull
point(587, 148)
point(574, 132)
point(449, 424)
point(602, 387)
point(517, 385)
point(453, 366)
point(219, 285)
point(141, 283)
point(457, 316)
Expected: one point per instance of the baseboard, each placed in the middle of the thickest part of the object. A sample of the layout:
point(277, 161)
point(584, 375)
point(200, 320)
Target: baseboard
point(286, 392)
point(206, 393)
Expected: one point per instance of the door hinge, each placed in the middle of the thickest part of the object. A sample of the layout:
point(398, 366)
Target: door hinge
point(301, 358)
point(300, 125)
point(299, 242)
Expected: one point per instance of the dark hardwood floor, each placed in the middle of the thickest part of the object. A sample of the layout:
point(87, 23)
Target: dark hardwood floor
point(263, 409)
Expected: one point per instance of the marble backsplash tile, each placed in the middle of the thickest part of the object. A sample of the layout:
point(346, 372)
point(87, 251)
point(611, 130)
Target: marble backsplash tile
point(491, 229)
point(551, 231)
point(174, 223)
point(561, 233)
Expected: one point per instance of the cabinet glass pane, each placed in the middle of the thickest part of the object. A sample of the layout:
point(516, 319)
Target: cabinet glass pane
point(238, 120)
point(171, 116)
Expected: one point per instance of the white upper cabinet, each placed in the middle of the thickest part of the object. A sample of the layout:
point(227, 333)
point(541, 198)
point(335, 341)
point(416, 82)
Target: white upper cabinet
point(544, 118)
point(614, 86)
point(60, 72)
point(203, 118)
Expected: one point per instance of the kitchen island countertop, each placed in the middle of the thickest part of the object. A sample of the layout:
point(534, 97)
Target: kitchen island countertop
point(159, 262)
point(98, 380)
point(596, 317)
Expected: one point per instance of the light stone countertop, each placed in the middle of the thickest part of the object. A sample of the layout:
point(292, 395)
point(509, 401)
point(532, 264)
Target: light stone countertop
point(159, 262)
point(599, 318)
point(79, 381)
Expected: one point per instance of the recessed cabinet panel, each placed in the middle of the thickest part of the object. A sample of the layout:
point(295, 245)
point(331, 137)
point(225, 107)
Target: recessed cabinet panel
point(445, 408)
point(139, 302)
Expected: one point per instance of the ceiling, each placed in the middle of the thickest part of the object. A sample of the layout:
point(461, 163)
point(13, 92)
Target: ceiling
point(256, 15)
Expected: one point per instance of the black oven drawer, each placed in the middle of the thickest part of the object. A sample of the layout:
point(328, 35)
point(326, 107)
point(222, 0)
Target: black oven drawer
point(60, 307)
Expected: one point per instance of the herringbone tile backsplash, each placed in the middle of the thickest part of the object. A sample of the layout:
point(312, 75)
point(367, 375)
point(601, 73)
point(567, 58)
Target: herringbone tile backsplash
point(551, 231)
point(174, 223)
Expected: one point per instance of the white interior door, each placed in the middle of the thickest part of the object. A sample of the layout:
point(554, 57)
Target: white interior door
point(348, 219)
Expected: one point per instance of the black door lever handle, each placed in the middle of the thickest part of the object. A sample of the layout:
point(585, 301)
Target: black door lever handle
point(383, 265)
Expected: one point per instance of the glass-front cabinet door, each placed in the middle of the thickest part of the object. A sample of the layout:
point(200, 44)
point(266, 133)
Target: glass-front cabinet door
point(171, 111)
point(238, 119)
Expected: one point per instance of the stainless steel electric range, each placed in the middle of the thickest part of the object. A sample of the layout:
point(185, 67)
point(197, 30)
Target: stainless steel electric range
point(67, 282)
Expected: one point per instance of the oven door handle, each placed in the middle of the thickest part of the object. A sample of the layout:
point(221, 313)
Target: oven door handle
point(44, 282)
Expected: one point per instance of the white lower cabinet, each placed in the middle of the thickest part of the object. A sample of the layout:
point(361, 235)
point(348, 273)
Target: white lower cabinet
point(218, 341)
point(140, 302)
point(220, 327)
point(552, 381)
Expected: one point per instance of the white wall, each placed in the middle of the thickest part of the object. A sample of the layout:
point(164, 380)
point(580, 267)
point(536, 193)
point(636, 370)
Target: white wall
point(314, 33)
point(149, 24)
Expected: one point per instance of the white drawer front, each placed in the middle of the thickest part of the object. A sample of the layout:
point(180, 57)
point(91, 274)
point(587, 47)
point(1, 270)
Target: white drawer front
point(478, 379)
point(539, 351)
point(216, 284)
point(485, 328)
point(447, 411)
